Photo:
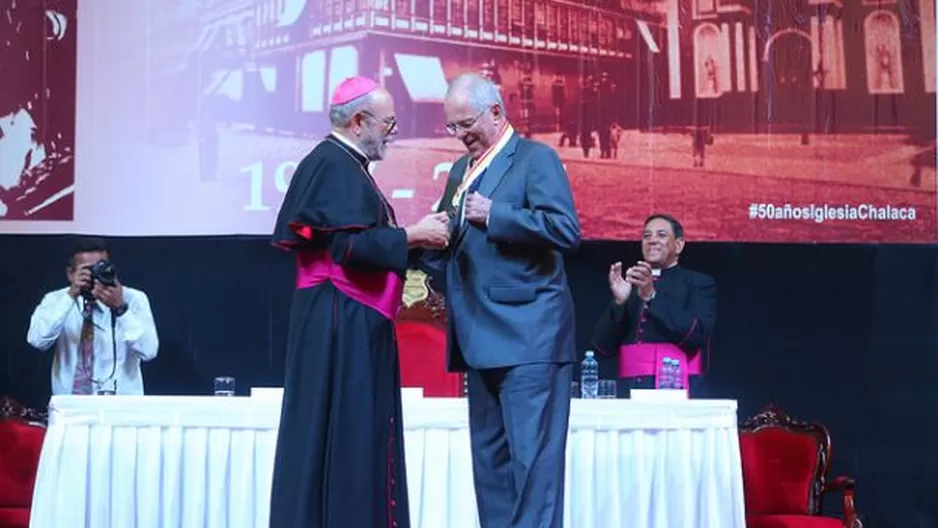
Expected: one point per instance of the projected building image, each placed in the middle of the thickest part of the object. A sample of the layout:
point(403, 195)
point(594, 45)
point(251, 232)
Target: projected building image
point(700, 107)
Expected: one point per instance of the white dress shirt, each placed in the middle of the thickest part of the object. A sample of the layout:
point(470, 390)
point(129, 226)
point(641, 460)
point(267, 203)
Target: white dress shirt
point(58, 320)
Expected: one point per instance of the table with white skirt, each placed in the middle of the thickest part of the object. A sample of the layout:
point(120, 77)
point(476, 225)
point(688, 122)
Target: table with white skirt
point(207, 462)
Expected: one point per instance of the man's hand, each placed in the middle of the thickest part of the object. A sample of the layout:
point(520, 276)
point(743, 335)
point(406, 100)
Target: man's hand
point(620, 288)
point(432, 231)
point(79, 280)
point(477, 208)
point(110, 296)
point(640, 276)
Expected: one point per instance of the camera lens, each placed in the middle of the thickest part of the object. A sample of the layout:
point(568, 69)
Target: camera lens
point(104, 272)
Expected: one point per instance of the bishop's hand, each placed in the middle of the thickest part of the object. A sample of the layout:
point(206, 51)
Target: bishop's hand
point(432, 232)
point(641, 277)
point(620, 288)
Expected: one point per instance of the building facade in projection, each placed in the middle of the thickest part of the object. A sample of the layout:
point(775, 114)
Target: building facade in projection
point(201, 69)
point(555, 60)
point(811, 66)
point(804, 66)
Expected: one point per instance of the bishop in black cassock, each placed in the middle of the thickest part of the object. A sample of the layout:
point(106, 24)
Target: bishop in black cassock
point(339, 460)
point(659, 311)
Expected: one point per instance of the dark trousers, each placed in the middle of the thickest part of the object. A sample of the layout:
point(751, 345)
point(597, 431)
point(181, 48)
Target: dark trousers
point(518, 419)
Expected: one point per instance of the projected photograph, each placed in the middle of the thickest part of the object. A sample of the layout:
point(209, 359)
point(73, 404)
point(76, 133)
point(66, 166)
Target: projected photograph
point(37, 110)
point(808, 120)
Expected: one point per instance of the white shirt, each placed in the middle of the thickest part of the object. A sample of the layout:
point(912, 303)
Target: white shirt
point(58, 320)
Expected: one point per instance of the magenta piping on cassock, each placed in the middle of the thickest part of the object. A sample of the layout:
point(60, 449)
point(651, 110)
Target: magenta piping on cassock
point(379, 290)
point(644, 359)
point(689, 332)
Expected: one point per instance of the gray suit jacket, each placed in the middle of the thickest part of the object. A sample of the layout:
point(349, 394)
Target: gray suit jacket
point(507, 298)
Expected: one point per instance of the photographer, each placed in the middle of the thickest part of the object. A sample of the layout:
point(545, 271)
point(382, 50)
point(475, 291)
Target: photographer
point(101, 329)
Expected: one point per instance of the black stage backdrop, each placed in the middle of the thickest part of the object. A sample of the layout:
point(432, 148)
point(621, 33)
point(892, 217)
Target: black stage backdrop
point(842, 334)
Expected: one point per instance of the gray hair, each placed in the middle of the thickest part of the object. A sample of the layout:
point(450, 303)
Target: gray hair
point(341, 115)
point(481, 92)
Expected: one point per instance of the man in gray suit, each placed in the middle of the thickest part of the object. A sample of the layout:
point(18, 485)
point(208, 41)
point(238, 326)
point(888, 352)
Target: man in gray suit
point(510, 311)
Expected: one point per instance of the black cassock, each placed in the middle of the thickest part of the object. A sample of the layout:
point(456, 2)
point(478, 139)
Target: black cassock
point(682, 313)
point(340, 457)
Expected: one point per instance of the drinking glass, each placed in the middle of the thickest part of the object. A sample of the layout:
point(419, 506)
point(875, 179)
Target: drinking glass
point(607, 389)
point(224, 386)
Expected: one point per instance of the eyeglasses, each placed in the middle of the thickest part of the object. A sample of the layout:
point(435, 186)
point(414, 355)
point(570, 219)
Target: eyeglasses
point(465, 124)
point(390, 123)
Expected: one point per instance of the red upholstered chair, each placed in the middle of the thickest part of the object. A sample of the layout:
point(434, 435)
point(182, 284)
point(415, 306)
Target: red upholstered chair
point(785, 464)
point(421, 339)
point(21, 433)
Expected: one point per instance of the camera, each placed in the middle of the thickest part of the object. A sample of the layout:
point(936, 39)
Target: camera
point(102, 271)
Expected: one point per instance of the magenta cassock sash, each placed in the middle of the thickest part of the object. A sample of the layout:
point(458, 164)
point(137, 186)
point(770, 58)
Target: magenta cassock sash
point(380, 290)
point(645, 359)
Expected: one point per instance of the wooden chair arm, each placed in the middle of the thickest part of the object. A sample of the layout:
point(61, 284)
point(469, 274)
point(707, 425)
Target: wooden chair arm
point(847, 487)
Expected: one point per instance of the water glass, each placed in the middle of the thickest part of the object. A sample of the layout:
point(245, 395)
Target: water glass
point(607, 390)
point(107, 387)
point(224, 386)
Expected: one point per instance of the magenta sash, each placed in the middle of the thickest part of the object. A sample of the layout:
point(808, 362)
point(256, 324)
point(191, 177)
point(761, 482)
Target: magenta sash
point(380, 290)
point(645, 359)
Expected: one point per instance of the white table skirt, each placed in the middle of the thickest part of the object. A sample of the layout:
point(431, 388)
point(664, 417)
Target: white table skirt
point(206, 462)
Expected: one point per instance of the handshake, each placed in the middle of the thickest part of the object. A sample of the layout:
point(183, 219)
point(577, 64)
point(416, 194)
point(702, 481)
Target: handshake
point(431, 232)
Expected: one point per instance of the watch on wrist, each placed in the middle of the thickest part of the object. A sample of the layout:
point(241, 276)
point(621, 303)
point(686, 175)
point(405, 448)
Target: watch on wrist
point(120, 310)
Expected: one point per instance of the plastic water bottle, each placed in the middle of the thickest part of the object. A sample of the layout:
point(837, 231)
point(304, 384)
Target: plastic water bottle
point(665, 375)
point(589, 377)
point(677, 377)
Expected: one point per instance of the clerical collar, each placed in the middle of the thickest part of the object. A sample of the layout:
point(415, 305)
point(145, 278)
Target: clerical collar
point(656, 272)
point(354, 150)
